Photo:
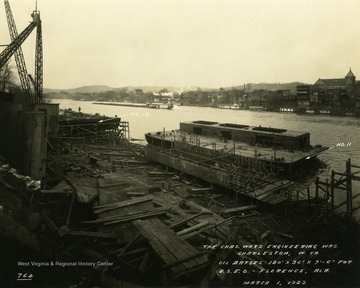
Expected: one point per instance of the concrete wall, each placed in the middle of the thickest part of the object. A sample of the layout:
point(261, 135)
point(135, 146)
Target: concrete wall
point(33, 143)
point(51, 111)
point(8, 128)
point(23, 133)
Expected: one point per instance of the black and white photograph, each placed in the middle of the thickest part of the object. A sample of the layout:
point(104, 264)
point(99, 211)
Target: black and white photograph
point(179, 143)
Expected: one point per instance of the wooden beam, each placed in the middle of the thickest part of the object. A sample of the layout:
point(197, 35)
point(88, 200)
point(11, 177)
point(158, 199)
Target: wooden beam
point(120, 204)
point(156, 173)
point(129, 217)
point(238, 209)
point(70, 209)
point(136, 217)
point(144, 261)
point(91, 234)
point(184, 221)
point(193, 228)
point(355, 178)
point(127, 246)
point(119, 184)
point(56, 191)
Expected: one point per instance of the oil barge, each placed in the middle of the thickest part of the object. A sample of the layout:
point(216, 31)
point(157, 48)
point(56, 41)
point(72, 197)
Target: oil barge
point(254, 161)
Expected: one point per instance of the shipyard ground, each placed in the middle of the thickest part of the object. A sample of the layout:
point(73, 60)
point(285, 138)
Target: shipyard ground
point(142, 224)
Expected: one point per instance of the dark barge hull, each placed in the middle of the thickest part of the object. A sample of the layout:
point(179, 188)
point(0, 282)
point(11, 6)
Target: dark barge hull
point(257, 162)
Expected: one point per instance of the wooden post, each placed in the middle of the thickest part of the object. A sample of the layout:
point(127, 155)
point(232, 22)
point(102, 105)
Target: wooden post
point(348, 189)
point(332, 189)
point(308, 195)
point(317, 195)
point(327, 195)
point(70, 208)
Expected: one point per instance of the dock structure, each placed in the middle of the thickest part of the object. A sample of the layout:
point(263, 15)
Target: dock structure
point(78, 127)
point(339, 183)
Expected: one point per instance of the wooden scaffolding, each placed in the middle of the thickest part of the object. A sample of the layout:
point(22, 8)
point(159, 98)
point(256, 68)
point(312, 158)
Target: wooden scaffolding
point(340, 182)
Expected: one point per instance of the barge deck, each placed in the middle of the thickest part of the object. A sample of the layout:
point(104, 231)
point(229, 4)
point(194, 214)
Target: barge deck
point(257, 162)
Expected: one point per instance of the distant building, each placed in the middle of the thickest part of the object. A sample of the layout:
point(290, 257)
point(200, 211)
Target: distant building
point(336, 91)
point(303, 95)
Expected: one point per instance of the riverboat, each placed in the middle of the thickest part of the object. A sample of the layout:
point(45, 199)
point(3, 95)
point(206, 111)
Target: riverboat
point(157, 105)
point(248, 160)
point(233, 106)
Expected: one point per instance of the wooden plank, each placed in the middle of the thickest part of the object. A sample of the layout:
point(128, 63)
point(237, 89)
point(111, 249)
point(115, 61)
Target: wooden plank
point(276, 200)
point(264, 195)
point(112, 194)
point(178, 246)
point(85, 188)
point(145, 229)
point(174, 245)
point(279, 200)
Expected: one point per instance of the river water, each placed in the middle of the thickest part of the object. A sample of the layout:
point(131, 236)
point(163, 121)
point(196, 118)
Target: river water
point(326, 130)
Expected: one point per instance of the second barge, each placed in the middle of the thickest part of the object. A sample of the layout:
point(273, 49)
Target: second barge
point(254, 161)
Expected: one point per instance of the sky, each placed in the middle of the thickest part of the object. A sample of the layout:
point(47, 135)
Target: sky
point(184, 43)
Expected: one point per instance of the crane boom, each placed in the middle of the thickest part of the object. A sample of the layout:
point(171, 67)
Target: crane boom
point(19, 56)
point(15, 44)
point(13, 47)
point(38, 63)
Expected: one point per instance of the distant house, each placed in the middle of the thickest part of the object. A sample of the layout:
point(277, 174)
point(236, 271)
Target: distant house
point(334, 92)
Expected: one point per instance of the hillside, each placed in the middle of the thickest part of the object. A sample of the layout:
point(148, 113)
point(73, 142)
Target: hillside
point(83, 89)
point(147, 89)
point(267, 86)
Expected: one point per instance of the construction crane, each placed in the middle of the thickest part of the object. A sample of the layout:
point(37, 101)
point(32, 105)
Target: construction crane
point(19, 56)
point(15, 48)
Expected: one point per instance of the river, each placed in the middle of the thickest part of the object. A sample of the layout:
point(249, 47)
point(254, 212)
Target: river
point(326, 130)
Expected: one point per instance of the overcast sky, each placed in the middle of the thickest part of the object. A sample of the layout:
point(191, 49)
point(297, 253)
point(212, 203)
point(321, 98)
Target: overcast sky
point(207, 43)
